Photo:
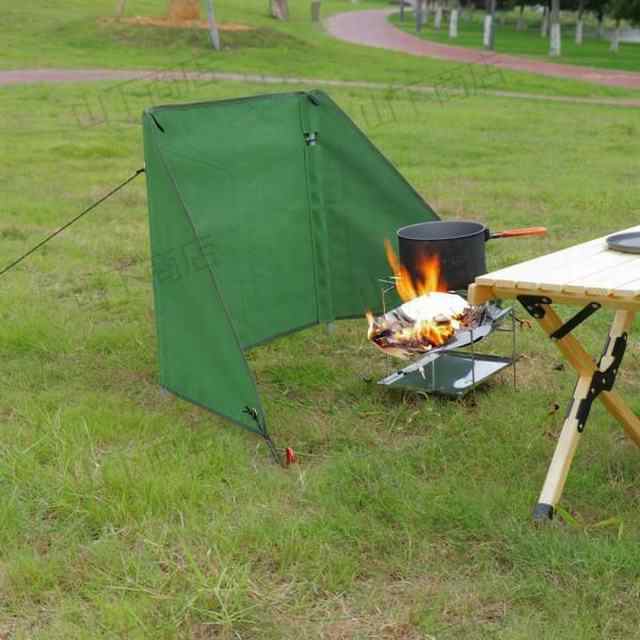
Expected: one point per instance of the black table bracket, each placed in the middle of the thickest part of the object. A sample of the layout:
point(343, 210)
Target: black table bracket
point(534, 305)
point(602, 380)
point(577, 320)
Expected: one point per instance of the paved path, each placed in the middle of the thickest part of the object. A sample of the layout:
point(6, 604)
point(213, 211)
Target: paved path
point(372, 28)
point(56, 76)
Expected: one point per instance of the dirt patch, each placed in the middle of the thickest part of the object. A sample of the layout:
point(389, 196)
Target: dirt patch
point(144, 21)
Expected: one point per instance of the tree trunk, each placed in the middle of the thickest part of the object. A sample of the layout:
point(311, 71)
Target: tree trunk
point(453, 22)
point(601, 26)
point(544, 27)
point(419, 14)
point(315, 11)
point(469, 8)
point(437, 23)
point(214, 35)
point(580, 31)
point(522, 25)
point(489, 37)
point(615, 41)
point(486, 34)
point(555, 43)
point(580, 23)
point(280, 9)
point(183, 10)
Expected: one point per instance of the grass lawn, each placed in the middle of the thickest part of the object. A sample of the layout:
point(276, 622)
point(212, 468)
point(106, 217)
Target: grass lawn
point(125, 513)
point(80, 34)
point(592, 53)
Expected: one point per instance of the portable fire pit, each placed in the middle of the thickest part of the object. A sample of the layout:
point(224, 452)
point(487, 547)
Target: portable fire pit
point(433, 328)
point(437, 261)
point(448, 370)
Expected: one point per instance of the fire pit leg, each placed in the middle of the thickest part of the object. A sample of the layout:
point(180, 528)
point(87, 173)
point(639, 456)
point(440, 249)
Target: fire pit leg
point(594, 381)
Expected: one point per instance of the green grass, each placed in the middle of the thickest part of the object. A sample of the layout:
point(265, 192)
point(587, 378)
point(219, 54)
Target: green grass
point(592, 53)
point(125, 513)
point(75, 34)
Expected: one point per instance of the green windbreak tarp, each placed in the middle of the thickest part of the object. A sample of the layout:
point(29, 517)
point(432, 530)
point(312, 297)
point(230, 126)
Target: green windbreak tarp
point(268, 214)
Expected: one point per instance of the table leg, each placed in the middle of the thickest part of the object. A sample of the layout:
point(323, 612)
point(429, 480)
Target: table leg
point(563, 455)
point(583, 363)
point(584, 394)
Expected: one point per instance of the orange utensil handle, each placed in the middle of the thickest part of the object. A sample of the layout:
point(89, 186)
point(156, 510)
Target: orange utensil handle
point(517, 233)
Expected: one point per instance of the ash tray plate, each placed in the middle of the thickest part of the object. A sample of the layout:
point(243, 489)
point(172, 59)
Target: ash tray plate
point(452, 374)
point(625, 242)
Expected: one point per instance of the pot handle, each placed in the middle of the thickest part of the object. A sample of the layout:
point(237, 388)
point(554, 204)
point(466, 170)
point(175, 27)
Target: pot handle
point(517, 233)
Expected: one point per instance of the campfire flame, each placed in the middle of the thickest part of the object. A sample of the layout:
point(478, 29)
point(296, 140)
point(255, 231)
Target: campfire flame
point(428, 318)
point(428, 280)
point(430, 333)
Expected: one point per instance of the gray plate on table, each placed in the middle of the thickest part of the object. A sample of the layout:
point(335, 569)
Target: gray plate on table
point(625, 242)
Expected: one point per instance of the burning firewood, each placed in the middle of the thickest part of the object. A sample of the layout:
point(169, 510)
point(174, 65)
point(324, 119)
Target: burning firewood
point(421, 324)
point(429, 317)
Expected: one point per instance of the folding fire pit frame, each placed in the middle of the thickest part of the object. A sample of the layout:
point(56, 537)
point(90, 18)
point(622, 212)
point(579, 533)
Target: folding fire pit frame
point(595, 276)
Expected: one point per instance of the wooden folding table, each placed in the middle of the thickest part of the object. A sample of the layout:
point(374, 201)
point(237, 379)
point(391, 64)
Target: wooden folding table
point(588, 274)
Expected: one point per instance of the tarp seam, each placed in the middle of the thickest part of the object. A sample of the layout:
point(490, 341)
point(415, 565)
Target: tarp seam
point(305, 152)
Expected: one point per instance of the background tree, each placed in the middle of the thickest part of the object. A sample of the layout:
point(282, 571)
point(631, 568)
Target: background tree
point(544, 25)
point(420, 13)
point(315, 11)
point(279, 9)
point(521, 25)
point(214, 34)
point(555, 42)
point(580, 21)
point(437, 21)
point(490, 26)
point(467, 11)
point(623, 10)
point(428, 8)
point(453, 18)
point(521, 5)
point(581, 7)
point(600, 9)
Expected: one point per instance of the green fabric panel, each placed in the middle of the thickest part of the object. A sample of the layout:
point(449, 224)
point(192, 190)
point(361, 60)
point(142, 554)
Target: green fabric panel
point(199, 354)
point(365, 200)
point(239, 166)
point(256, 233)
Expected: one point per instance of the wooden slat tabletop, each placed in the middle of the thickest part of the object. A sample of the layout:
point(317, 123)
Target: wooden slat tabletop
point(584, 272)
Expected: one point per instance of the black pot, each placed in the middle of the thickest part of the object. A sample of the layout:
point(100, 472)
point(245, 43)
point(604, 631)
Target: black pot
point(459, 245)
